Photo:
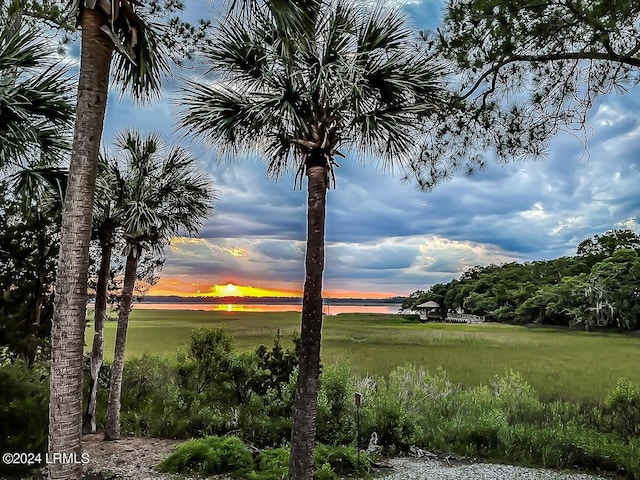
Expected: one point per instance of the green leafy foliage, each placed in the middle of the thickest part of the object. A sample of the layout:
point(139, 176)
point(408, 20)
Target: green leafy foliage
point(210, 456)
point(211, 390)
point(624, 401)
point(24, 409)
point(333, 462)
point(336, 410)
point(29, 243)
point(35, 101)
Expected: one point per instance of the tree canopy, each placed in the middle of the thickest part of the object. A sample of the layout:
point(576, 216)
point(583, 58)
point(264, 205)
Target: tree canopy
point(527, 69)
point(598, 287)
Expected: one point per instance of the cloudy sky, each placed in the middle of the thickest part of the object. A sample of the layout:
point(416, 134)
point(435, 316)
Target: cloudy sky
point(385, 237)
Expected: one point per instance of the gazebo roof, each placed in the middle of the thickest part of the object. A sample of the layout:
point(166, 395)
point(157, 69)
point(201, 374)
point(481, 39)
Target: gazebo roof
point(429, 304)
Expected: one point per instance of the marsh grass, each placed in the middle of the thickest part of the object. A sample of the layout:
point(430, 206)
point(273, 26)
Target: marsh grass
point(558, 363)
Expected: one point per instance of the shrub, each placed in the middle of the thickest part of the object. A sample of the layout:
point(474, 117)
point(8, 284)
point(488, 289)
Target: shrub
point(143, 379)
point(624, 402)
point(24, 407)
point(517, 399)
point(261, 428)
point(275, 367)
point(211, 352)
point(336, 410)
point(210, 456)
point(342, 461)
point(385, 413)
point(271, 464)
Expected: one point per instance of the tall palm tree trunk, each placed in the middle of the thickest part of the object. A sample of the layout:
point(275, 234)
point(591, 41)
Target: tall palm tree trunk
point(67, 335)
point(97, 349)
point(112, 425)
point(306, 403)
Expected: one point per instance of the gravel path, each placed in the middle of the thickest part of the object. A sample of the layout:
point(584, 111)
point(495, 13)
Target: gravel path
point(427, 469)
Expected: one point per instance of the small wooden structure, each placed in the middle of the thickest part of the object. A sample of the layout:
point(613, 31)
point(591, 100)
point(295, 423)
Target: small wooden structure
point(430, 311)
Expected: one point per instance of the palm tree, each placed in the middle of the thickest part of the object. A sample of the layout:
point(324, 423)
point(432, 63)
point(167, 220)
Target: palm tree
point(138, 68)
point(354, 78)
point(164, 195)
point(35, 106)
point(107, 219)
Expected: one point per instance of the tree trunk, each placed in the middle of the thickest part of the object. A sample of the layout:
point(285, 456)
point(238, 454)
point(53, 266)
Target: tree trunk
point(112, 425)
point(67, 335)
point(97, 349)
point(303, 434)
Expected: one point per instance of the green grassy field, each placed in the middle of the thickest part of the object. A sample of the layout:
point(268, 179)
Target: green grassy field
point(557, 363)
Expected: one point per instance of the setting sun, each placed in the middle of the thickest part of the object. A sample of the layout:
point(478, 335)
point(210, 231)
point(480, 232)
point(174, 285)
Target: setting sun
point(231, 290)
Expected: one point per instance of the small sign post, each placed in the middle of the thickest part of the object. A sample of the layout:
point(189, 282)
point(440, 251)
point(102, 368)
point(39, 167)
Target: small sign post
point(358, 400)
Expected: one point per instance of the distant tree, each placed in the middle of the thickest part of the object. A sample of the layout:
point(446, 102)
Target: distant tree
point(528, 69)
point(297, 85)
point(614, 291)
point(164, 194)
point(595, 289)
point(603, 246)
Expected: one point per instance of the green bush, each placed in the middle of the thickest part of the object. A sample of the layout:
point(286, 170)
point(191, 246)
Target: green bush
point(210, 456)
point(517, 399)
point(341, 461)
point(400, 408)
point(336, 422)
point(24, 410)
point(143, 379)
point(624, 402)
point(271, 464)
point(154, 403)
point(216, 455)
point(259, 427)
point(211, 355)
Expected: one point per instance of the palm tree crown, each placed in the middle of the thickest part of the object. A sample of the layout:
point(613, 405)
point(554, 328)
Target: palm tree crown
point(162, 193)
point(35, 101)
point(354, 78)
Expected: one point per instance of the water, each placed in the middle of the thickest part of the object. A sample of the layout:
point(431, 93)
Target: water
point(388, 308)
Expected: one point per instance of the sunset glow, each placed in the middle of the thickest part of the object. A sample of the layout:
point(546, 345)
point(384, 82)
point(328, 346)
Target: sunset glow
point(187, 287)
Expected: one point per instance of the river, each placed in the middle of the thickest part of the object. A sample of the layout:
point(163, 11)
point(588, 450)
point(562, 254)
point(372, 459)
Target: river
point(388, 308)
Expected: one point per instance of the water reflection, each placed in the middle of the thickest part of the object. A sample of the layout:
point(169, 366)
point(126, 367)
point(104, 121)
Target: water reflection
point(258, 307)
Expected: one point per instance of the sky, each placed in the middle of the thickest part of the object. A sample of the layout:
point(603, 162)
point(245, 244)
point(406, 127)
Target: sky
point(385, 237)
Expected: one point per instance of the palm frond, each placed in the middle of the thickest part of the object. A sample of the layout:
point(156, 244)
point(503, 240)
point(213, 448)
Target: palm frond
point(142, 77)
point(384, 28)
point(30, 182)
point(36, 105)
point(220, 114)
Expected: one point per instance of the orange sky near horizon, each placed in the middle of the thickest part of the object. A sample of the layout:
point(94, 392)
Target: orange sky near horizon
point(183, 288)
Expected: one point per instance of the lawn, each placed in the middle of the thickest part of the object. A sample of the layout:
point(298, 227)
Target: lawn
point(558, 363)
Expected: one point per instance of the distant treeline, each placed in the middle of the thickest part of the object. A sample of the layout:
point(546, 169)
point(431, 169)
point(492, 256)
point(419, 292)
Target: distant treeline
point(599, 287)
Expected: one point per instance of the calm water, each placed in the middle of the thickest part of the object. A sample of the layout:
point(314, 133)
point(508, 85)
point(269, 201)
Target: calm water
point(256, 307)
